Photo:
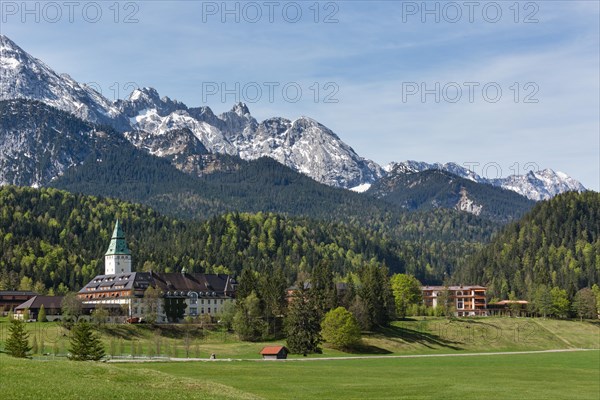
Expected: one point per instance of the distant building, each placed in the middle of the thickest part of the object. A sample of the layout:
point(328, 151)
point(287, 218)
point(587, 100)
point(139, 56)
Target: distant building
point(274, 353)
point(9, 299)
point(467, 300)
point(52, 306)
point(122, 290)
point(515, 308)
point(340, 289)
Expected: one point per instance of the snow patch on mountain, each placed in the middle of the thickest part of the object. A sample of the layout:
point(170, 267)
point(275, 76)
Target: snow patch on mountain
point(361, 188)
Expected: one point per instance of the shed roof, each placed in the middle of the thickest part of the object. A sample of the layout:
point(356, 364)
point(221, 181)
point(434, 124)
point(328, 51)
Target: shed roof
point(272, 350)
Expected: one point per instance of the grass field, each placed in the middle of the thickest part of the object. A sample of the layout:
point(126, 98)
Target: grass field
point(572, 376)
point(430, 336)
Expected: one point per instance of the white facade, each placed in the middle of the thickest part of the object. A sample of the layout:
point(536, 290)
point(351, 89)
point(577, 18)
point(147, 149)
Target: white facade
point(208, 304)
point(117, 264)
point(195, 307)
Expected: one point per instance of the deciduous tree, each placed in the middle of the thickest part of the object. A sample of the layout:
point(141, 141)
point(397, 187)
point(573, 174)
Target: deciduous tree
point(248, 321)
point(340, 328)
point(560, 302)
point(584, 304)
point(72, 309)
point(542, 301)
point(151, 303)
point(407, 291)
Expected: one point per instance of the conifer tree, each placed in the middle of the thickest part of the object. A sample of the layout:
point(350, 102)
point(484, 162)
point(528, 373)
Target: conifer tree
point(42, 314)
point(376, 294)
point(322, 288)
point(303, 323)
point(34, 345)
point(85, 345)
point(17, 344)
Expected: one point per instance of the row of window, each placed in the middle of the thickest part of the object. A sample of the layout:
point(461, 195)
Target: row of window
point(195, 301)
point(194, 311)
point(94, 288)
point(103, 295)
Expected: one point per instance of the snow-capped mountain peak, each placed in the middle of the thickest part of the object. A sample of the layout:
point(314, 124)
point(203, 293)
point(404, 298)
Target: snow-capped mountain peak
point(241, 109)
point(148, 98)
point(164, 126)
point(535, 185)
point(25, 77)
point(540, 185)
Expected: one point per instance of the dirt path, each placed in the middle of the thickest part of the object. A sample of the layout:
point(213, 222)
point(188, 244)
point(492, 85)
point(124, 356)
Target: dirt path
point(499, 353)
point(565, 341)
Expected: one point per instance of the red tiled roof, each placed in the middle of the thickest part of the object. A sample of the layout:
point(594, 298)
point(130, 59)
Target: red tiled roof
point(272, 350)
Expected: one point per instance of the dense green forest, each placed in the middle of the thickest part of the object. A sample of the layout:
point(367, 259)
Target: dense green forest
point(557, 244)
point(53, 238)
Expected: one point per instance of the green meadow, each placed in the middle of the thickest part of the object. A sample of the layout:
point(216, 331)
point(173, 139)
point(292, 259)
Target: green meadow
point(566, 375)
point(419, 336)
point(572, 376)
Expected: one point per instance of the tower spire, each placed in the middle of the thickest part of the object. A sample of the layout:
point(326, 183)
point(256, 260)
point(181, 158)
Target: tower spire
point(118, 256)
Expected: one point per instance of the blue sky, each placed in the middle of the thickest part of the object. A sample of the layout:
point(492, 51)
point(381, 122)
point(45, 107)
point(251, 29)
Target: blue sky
point(396, 80)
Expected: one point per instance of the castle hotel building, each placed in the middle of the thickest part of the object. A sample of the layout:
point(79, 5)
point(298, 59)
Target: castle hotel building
point(121, 288)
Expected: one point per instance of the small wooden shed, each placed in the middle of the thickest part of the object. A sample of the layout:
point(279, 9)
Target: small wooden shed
point(274, 353)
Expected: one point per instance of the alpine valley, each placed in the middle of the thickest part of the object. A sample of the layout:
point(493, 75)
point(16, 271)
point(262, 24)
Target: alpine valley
point(191, 164)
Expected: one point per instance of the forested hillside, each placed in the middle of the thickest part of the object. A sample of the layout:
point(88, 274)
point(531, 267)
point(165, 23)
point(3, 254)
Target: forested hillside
point(557, 244)
point(434, 188)
point(236, 185)
point(432, 242)
point(54, 237)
